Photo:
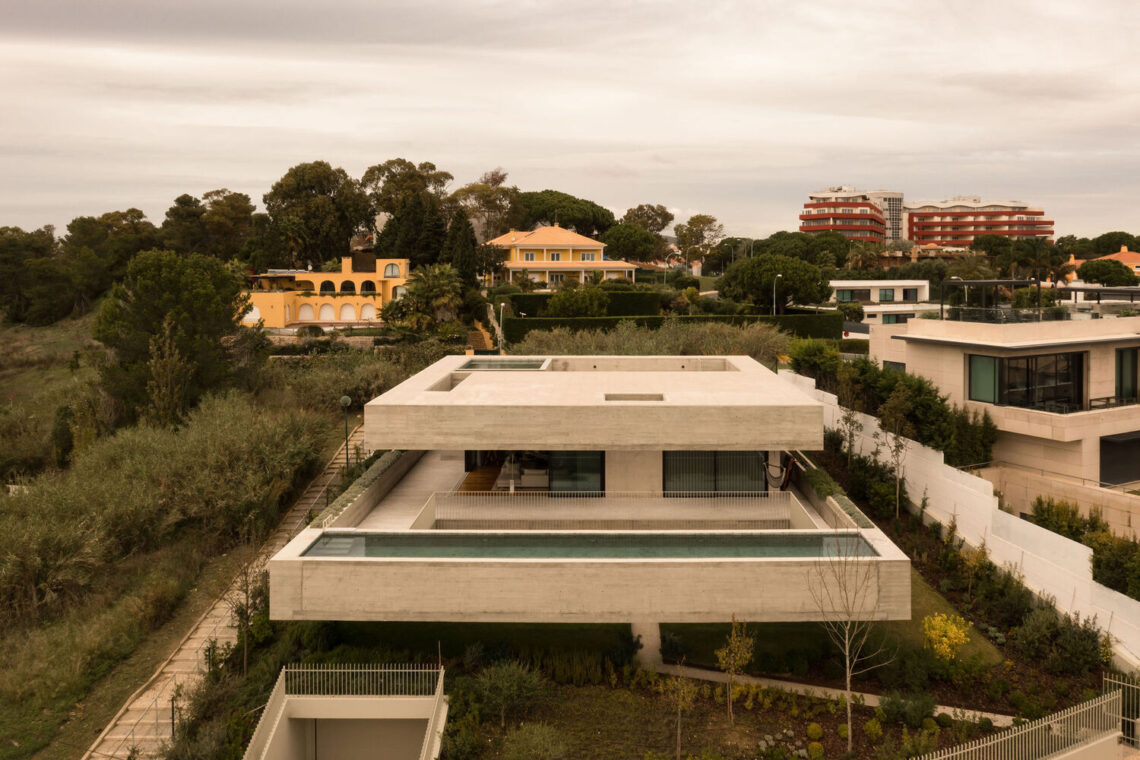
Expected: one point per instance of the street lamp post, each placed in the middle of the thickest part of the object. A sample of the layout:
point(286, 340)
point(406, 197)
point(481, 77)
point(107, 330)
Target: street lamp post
point(774, 280)
point(345, 402)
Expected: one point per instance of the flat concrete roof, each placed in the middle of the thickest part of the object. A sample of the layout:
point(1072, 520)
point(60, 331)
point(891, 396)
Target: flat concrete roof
point(596, 403)
point(1019, 345)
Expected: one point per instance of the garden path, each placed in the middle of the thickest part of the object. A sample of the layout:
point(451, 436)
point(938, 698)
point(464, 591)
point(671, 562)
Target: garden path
point(871, 700)
point(144, 723)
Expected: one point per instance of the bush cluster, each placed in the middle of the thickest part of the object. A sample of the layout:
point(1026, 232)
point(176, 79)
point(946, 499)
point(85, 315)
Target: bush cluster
point(821, 325)
point(965, 438)
point(224, 472)
point(675, 337)
point(1115, 561)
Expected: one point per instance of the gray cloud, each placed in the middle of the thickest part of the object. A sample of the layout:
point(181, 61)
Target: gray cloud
point(733, 108)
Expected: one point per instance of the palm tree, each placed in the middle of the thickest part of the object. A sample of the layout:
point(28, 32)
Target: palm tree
point(863, 255)
point(437, 290)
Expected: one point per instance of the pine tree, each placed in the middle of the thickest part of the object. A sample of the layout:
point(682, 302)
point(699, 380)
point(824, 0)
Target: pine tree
point(461, 248)
point(433, 235)
point(410, 219)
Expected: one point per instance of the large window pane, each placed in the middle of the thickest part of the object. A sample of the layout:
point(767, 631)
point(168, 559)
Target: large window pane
point(690, 470)
point(577, 471)
point(739, 471)
point(983, 378)
point(1126, 372)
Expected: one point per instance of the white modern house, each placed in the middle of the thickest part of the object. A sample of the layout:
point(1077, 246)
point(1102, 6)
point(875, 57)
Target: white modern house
point(885, 302)
point(585, 489)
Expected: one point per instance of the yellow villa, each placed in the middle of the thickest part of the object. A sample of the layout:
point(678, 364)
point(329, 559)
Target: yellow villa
point(297, 297)
point(552, 254)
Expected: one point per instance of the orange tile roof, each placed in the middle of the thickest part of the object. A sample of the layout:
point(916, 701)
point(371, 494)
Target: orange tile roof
point(550, 237)
point(1124, 256)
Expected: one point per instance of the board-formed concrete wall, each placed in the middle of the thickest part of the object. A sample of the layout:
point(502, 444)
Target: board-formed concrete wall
point(773, 589)
point(1050, 565)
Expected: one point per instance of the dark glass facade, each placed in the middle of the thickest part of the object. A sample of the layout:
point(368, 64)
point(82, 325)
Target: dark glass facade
point(1052, 382)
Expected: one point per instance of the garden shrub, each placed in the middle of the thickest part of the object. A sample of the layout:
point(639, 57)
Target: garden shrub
point(310, 331)
point(944, 720)
point(910, 710)
point(945, 635)
point(815, 750)
point(1077, 649)
point(1034, 637)
point(814, 731)
point(508, 688)
point(815, 358)
point(586, 301)
point(873, 730)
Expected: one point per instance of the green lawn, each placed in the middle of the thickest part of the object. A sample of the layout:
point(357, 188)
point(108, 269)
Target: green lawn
point(924, 600)
point(809, 640)
point(708, 283)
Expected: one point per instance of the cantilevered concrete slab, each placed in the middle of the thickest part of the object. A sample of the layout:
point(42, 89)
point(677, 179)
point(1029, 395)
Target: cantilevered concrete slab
point(608, 403)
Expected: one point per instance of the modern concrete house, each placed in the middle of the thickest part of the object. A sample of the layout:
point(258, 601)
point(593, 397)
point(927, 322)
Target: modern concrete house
point(585, 489)
point(1063, 392)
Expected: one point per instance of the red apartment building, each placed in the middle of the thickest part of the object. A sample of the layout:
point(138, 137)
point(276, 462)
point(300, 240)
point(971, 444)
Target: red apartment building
point(852, 213)
point(957, 221)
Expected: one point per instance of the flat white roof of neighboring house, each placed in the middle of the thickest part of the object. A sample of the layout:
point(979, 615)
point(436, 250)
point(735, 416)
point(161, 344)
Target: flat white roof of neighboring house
point(595, 403)
point(878, 283)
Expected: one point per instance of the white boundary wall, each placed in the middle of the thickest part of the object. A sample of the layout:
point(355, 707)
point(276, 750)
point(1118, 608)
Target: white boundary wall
point(1050, 565)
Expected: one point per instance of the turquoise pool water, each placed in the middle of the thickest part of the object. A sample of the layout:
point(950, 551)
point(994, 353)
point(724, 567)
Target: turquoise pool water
point(586, 545)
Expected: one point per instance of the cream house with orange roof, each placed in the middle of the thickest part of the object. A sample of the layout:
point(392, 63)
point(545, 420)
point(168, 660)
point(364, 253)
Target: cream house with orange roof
point(553, 254)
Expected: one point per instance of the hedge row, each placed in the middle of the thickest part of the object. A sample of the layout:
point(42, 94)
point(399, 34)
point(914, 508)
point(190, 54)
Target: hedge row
point(816, 325)
point(623, 303)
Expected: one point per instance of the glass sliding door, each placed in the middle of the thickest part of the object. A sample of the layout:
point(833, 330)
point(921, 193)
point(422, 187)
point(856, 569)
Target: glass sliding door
point(577, 471)
point(689, 471)
point(740, 471)
point(708, 471)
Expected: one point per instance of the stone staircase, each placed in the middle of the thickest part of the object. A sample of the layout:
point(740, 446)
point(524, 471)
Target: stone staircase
point(144, 724)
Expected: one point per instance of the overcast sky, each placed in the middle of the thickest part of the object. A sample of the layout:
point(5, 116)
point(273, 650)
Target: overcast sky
point(737, 109)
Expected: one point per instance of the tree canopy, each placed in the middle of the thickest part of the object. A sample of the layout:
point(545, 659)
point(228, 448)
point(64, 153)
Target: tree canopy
point(489, 202)
point(697, 236)
point(630, 242)
point(651, 217)
point(752, 279)
point(318, 208)
point(392, 184)
point(551, 206)
point(1106, 272)
point(203, 301)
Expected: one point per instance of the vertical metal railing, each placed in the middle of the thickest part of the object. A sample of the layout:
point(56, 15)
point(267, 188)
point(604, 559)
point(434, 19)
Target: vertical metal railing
point(1080, 724)
point(389, 680)
point(1129, 713)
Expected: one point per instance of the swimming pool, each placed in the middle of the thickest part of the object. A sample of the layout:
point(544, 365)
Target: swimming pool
point(640, 545)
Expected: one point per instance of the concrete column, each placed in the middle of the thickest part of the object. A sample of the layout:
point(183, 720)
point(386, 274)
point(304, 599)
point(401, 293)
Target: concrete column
point(649, 656)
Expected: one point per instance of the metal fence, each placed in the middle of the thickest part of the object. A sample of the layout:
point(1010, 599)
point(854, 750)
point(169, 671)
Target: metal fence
point(1083, 723)
point(1129, 712)
point(610, 510)
point(396, 680)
